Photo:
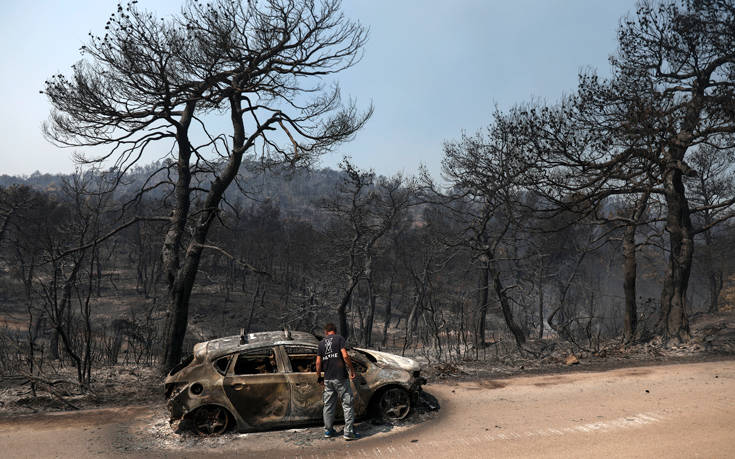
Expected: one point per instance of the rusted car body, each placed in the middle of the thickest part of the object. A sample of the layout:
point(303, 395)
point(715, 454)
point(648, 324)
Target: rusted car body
point(265, 380)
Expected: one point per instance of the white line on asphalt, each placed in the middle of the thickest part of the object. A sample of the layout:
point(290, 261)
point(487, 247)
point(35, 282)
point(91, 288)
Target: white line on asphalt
point(626, 422)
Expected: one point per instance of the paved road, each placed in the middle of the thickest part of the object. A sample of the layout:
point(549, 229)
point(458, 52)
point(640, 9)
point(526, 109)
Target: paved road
point(685, 410)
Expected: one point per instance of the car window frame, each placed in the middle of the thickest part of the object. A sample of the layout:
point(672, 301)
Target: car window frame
point(229, 363)
point(279, 364)
point(287, 360)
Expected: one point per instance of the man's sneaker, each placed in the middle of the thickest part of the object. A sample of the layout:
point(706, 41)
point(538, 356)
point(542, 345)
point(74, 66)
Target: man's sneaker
point(352, 436)
point(329, 433)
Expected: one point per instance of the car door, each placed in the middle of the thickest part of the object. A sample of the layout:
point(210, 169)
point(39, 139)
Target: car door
point(360, 389)
point(257, 387)
point(306, 392)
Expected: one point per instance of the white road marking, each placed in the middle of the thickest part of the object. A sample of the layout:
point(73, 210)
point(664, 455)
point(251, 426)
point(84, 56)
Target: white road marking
point(627, 422)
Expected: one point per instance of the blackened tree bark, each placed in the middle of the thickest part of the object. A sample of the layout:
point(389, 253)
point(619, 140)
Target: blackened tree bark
point(500, 291)
point(342, 307)
point(630, 268)
point(388, 312)
point(540, 294)
point(371, 294)
point(177, 313)
point(714, 269)
point(483, 295)
point(421, 282)
point(674, 322)
point(630, 273)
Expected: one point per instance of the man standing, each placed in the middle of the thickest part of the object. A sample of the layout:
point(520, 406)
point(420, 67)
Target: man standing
point(336, 362)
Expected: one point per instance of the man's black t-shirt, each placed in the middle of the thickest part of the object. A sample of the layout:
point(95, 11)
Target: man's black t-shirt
point(330, 350)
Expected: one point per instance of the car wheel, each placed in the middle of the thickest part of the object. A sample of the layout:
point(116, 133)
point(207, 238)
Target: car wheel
point(394, 403)
point(210, 420)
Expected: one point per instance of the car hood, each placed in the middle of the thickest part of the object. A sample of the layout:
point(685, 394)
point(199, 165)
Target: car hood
point(393, 360)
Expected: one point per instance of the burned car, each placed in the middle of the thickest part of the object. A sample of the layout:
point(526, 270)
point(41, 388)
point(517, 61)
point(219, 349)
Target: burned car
point(265, 380)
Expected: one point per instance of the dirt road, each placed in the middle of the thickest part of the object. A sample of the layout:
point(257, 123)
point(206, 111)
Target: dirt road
point(685, 410)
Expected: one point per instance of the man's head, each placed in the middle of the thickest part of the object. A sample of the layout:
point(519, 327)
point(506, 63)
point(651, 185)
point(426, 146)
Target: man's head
point(330, 329)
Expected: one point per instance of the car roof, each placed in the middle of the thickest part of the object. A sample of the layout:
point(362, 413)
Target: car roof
point(215, 348)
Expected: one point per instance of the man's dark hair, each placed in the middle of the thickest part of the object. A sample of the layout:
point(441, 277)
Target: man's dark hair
point(330, 327)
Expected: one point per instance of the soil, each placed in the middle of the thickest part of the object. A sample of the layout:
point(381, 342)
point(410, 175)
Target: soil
point(680, 410)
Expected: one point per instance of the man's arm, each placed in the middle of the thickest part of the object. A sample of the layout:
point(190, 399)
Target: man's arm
point(319, 378)
point(348, 362)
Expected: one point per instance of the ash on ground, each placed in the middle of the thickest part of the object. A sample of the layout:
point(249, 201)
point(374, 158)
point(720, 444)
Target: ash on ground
point(158, 435)
point(713, 338)
point(121, 385)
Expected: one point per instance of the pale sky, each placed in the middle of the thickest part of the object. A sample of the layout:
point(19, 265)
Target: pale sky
point(431, 68)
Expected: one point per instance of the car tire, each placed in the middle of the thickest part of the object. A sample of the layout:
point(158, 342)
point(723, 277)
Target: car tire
point(393, 404)
point(210, 420)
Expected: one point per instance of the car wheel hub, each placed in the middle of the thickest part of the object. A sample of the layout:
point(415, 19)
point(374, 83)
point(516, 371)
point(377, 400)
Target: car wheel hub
point(395, 403)
point(210, 420)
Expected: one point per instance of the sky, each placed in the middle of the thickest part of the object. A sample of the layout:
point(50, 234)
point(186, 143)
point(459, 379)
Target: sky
point(432, 69)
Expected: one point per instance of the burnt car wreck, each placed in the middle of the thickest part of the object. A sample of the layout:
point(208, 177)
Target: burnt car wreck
point(267, 380)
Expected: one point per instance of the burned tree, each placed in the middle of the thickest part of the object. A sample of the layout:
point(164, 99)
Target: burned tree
point(150, 82)
point(634, 135)
point(714, 183)
point(679, 56)
point(483, 171)
point(585, 166)
point(366, 208)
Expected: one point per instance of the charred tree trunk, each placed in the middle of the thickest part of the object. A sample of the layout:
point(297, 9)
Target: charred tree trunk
point(715, 288)
point(368, 329)
point(370, 316)
point(541, 298)
point(630, 317)
point(54, 344)
point(630, 269)
point(98, 274)
point(388, 313)
point(178, 308)
point(253, 304)
point(344, 329)
point(418, 304)
point(357, 308)
point(714, 271)
point(352, 281)
point(483, 288)
point(674, 323)
point(181, 280)
point(517, 332)
point(178, 300)
point(411, 322)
